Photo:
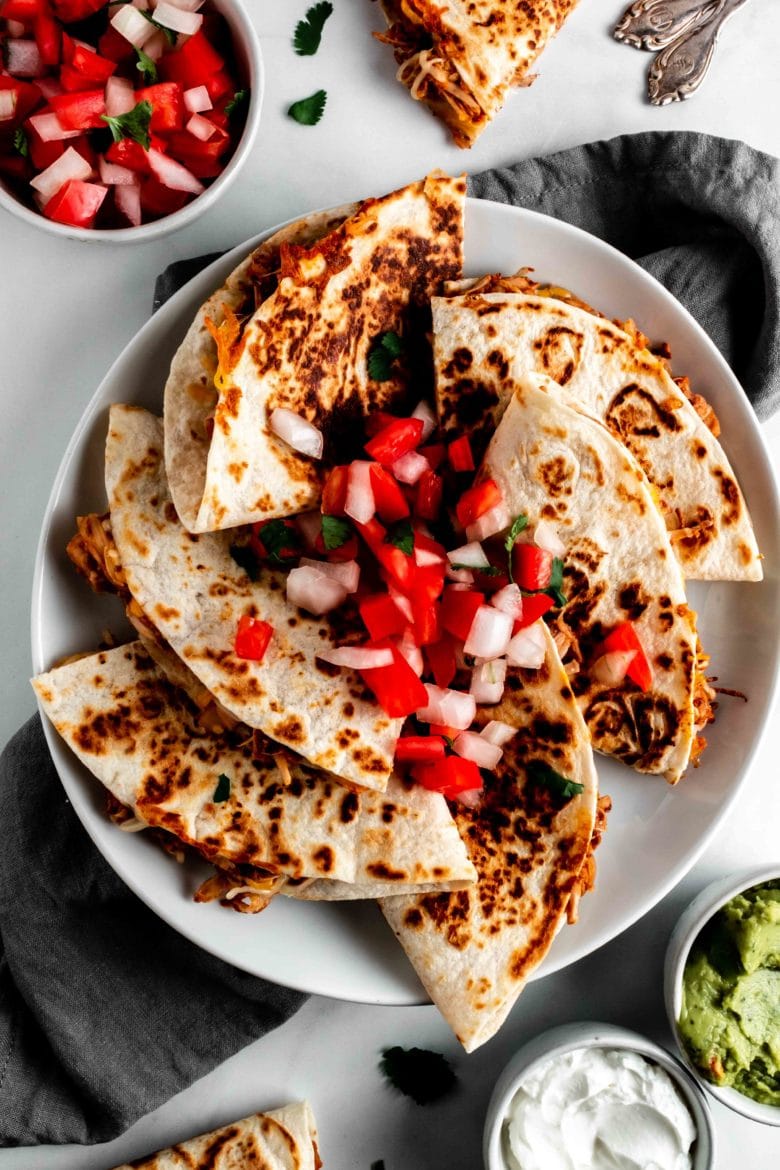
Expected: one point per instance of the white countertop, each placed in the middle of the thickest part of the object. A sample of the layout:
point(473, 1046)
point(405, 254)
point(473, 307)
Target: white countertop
point(69, 308)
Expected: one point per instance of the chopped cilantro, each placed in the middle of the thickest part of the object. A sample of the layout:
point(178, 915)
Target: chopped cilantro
point(280, 541)
point(308, 111)
point(382, 355)
point(134, 124)
point(245, 556)
point(402, 536)
point(518, 524)
point(237, 102)
point(422, 1075)
point(335, 531)
point(541, 773)
point(21, 145)
point(308, 32)
point(222, 791)
point(486, 570)
point(170, 35)
point(146, 66)
point(555, 588)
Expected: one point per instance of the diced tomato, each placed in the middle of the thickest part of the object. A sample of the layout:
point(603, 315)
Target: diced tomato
point(201, 158)
point(14, 166)
point(69, 11)
point(289, 551)
point(130, 154)
point(24, 11)
point(428, 583)
point(450, 775)
point(157, 199)
point(377, 421)
point(477, 500)
point(534, 607)
point(460, 454)
point(219, 84)
point(86, 69)
point(396, 439)
point(80, 111)
point(28, 96)
point(427, 622)
point(430, 489)
point(347, 551)
point(389, 500)
point(397, 688)
point(531, 566)
point(445, 730)
point(398, 566)
point(43, 154)
point(166, 102)
point(85, 149)
point(434, 453)
point(624, 637)
point(114, 46)
point(334, 492)
point(193, 64)
point(442, 662)
point(76, 203)
point(381, 616)
point(373, 533)
point(458, 608)
point(413, 749)
point(48, 36)
point(252, 638)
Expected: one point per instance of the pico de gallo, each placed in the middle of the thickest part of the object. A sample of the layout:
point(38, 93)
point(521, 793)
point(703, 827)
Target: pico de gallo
point(115, 114)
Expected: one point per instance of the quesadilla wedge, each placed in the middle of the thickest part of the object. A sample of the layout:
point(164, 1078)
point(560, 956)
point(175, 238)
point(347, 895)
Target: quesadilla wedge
point(282, 1139)
point(138, 734)
point(305, 351)
point(194, 593)
point(528, 839)
point(623, 589)
point(462, 57)
point(485, 341)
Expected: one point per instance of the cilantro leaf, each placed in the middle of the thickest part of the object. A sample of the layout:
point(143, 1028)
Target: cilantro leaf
point(146, 66)
point(247, 558)
point(308, 111)
point(518, 524)
point(280, 541)
point(485, 570)
point(308, 32)
point(402, 536)
point(21, 145)
point(222, 791)
point(335, 531)
point(237, 102)
point(385, 349)
point(418, 1073)
point(541, 773)
point(555, 586)
point(170, 35)
point(134, 124)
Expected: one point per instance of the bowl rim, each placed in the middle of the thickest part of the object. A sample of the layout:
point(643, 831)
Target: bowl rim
point(707, 903)
point(565, 1038)
point(236, 14)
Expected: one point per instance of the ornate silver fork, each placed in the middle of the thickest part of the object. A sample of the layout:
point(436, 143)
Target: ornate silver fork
point(654, 24)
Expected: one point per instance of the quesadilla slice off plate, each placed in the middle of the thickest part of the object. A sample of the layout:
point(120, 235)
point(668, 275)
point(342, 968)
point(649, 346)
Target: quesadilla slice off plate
point(462, 57)
point(485, 342)
point(553, 463)
point(142, 739)
point(282, 1139)
point(529, 838)
point(306, 351)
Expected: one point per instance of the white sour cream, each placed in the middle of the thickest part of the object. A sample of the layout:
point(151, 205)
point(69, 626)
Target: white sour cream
point(598, 1109)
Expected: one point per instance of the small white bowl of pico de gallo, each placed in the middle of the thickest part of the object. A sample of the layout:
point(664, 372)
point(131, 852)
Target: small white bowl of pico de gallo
point(124, 121)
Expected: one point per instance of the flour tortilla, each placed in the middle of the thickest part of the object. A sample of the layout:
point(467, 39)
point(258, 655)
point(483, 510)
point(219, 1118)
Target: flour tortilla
point(140, 737)
point(554, 462)
point(484, 342)
point(474, 50)
point(194, 592)
point(306, 349)
point(474, 950)
point(282, 1139)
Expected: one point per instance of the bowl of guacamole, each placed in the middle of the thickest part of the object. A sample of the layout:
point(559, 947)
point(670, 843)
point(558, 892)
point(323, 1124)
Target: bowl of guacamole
point(722, 990)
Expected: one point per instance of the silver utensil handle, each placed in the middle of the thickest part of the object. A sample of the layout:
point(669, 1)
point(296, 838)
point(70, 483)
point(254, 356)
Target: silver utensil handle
point(654, 24)
point(679, 70)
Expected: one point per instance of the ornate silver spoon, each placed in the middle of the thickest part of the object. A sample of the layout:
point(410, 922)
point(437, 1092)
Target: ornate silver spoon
point(679, 69)
point(654, 24)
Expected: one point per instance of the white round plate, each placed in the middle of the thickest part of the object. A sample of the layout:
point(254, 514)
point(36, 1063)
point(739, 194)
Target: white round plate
point(655, 832)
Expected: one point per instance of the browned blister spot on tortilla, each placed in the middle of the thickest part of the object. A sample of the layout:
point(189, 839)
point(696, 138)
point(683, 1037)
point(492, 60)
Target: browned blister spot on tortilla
point(730, 495)
point(559, 351)
point(383, 872)
point(556, 476)
point(291, 730)
point(634, 413)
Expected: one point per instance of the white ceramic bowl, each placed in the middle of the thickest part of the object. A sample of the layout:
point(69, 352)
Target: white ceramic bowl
point(249, 64)
point(682, 939)
point(569, 1037)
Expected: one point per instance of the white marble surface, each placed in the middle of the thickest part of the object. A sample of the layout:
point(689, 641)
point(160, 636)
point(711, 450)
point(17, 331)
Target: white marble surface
point(67, 310)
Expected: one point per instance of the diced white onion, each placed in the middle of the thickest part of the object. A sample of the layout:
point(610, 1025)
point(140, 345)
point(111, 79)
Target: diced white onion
point(471, 798)
point(489, 634)
point(611, 668)
point(135, 28)
point(50, 87)
point(546, 537)
point(462, 576)
point(49, 128)
point(7, 104)
point(410, 467)
point(528, 647)
point(425, 558)
point(510, 600)
point(178, 19)
point(313, 590)
point(120, 98)
point(498, 732)
point(494, 520)
point(423, 411)
point(197, 99)
point(70, 165)
point(472, 746)
point(401, 601)
point(297, 432)
point(357, 657)
point(185, 5)
point(15, 28)
point(472, 555)
point(172, 174)
point(23, 59)
point(453, 708)
point(360, 504)
point(411, 652)
point(200, 128)
point(157, 45)
point(310, 524)
point(114, 175)
point(487, 681)
point(347, 573)
point(127, 201)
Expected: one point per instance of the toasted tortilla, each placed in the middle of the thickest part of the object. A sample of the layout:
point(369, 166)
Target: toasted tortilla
point(140, 737)
point(306, 349)
point(554, 462)
point(462, 57)
point(282, 1139)
point(474, 950)
point(484, 342)
point(194, 593)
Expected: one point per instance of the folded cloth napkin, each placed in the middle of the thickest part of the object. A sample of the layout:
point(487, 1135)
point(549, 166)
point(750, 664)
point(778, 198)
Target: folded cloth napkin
point(105, 1012)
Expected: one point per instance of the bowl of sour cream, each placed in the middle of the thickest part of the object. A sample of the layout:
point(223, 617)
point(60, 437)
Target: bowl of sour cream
point(591, 1096)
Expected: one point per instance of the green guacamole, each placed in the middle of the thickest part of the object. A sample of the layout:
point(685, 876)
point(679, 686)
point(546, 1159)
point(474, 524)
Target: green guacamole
point(730, 1019)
